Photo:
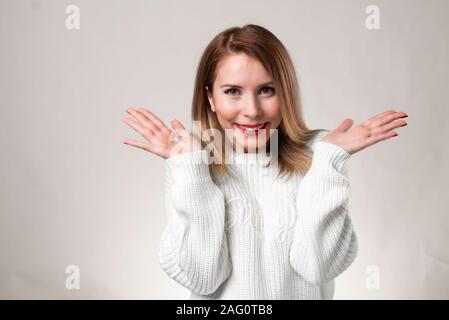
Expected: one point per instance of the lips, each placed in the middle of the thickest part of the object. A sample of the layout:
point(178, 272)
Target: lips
point(250, 125)
point(249, 128)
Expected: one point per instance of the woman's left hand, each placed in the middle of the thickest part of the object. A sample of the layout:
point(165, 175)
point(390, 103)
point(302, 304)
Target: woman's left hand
point(377, 128)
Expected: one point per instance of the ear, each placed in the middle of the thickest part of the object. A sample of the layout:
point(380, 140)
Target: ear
point(210, 98)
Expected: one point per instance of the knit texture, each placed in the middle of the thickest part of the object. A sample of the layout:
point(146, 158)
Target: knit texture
point(251, 235)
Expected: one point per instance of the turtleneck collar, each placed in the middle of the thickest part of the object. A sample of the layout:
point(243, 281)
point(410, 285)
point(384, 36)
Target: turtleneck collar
point(249, 166)
point(259, 159)
point(257, 171)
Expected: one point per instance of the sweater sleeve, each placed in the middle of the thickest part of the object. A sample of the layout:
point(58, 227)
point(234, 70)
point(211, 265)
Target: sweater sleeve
point(193, 247)
point(325, 243)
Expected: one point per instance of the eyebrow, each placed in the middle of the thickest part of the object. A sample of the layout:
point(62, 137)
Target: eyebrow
point(240, 87)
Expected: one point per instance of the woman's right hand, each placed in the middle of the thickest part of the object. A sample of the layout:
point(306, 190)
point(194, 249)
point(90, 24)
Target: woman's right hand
point(160, 140)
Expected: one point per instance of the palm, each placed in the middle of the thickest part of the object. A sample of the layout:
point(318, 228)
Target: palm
point(159, 139)
point(377, 128)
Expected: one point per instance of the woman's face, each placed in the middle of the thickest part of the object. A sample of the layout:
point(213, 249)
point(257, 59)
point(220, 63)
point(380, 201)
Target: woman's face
point(244, 95)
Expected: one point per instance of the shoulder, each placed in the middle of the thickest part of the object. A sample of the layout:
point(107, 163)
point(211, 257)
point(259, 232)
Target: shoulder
point(316, 137)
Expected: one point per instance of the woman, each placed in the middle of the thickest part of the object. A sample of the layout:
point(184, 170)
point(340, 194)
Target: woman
point(258, 227)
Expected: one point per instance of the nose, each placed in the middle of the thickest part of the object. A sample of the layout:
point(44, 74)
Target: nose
point(251, 108)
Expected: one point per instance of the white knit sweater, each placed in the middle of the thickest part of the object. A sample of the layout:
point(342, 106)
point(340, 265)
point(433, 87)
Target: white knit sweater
point(249, 235)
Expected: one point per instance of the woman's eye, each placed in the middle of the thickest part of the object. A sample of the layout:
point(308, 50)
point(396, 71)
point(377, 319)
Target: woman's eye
point(231, 92)
point(268, 90)
point(236, 92)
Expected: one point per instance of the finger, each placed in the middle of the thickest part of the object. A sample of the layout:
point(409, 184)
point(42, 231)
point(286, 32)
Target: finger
point(389, 126)
point(377, 138)
point(138, 144)
point(388, 118)
point(345, 125)
point(382, 114)
point(179, 128)
point(136, 126)
point(378, 116)
point(142, 119)
point(159, 124)
point(147, 147)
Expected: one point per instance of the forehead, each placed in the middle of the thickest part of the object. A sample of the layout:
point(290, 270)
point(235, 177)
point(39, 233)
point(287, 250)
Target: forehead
point(241, 69)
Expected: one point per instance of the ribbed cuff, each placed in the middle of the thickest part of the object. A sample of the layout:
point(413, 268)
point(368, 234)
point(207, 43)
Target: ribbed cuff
point(329, 154)
point(189, 166)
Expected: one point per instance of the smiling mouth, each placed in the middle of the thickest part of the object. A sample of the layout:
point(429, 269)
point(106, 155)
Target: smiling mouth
point(252, 126)
point(250, 129)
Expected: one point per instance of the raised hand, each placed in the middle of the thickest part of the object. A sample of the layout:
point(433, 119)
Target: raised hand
point(377, 128)
point(160, 140)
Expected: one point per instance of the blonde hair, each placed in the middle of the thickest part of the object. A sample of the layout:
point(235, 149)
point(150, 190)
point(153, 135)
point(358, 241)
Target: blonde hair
point(294, 155)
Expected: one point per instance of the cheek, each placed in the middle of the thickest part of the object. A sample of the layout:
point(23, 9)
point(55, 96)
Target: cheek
point(272, 109)
point(227, 112)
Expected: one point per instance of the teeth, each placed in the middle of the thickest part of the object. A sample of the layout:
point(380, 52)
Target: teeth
point(251, 129)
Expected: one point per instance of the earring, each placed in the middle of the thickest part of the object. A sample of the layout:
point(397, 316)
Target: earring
point(213, 110)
